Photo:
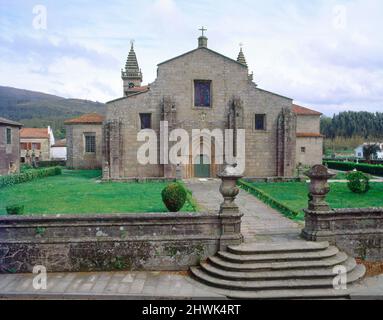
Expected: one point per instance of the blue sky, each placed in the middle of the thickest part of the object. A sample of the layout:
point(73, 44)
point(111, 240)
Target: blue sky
point(326, 54)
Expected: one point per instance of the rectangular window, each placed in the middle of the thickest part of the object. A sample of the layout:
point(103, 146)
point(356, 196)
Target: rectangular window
point(202, 93)
point(303, 149)
point(90, 143)
point(146, 120)
point(260, 123)
point(9, 136)
point(23, 146)
point(36, 146)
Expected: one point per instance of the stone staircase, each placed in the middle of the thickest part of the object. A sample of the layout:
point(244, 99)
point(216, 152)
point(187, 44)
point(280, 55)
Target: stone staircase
point(286, 270)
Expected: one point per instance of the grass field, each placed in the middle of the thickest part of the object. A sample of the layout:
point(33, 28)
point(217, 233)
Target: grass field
point(294, 195)
point(80, 192)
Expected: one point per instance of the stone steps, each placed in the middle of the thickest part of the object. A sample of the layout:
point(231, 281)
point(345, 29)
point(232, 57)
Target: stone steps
point(293, 283)
point(280, 256)
point(292, 246)
point(275, 274)
point(339, 258)
point(279, 270)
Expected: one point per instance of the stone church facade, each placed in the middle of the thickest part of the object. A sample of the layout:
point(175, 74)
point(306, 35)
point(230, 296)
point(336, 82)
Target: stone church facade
point(201, 89)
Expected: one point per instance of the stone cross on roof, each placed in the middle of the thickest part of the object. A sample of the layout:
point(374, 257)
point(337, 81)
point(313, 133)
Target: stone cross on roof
point(203, 29)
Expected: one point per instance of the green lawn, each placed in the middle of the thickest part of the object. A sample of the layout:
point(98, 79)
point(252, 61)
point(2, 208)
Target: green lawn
point(294, 195)
point(79, 191)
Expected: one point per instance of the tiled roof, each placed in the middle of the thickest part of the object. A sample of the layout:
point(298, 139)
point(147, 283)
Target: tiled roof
point(309, 135)
point(10, 122)
point(138, 89)
point(60, 143)
point(86, 118)
point(305, 111)
point(40, 133)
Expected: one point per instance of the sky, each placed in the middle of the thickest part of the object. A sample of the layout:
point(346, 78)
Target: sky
point(324, 54)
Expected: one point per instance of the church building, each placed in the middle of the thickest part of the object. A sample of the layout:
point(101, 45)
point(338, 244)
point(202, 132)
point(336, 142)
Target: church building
point(203, 89)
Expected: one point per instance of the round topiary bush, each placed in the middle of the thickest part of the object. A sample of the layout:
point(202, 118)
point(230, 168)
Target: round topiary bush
point(174, 196)
point(15, 209)
point(358, 182)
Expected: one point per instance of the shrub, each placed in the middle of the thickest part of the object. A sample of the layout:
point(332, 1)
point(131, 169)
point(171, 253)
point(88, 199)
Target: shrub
point(358, 182)
point(15, 209)
point(25, 167)
point(174, 196)
point(29, 175)
point(52, 163)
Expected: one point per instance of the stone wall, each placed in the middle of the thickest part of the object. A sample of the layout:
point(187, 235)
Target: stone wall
point(141, 241)
point(9, 153)
point(359, 232)
point(77, 158)
point(308, 123)
point(313, 150)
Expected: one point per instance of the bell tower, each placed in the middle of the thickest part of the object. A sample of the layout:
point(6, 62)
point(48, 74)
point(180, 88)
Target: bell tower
point(132, 75)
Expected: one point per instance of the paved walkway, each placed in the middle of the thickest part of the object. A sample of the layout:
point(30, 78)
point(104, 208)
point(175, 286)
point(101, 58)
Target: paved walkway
point(259, 220)
point(106, 285)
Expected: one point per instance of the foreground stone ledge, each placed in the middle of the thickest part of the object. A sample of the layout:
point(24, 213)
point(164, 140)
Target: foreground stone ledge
point(101, 242)
point(357, 231)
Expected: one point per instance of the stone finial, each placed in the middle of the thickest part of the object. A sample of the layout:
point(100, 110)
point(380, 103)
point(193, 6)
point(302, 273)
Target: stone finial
point(229, 189)
point(319, 187)
point(241, 57)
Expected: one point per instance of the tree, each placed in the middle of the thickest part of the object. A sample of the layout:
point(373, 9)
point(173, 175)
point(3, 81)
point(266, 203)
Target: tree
point(370, 150)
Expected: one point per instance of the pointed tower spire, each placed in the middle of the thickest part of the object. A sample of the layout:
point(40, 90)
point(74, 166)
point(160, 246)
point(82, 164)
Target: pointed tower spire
point(132, 75)
point(241, 57)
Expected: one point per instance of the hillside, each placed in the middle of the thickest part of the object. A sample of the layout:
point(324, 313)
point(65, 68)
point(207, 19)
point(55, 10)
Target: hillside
point(37, 109)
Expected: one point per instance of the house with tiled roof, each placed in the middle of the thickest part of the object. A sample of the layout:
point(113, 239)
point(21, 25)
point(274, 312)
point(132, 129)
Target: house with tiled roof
point(9, 146)
point(205, 90)
point(84, 141)
point(35, 144)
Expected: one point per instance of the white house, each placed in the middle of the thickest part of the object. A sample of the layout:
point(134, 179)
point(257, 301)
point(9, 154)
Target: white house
point(359, 151)
point(58, 150)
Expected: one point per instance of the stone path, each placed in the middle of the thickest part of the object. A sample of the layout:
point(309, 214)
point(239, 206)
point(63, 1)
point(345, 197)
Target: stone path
point(105, 285)
point(259, 220)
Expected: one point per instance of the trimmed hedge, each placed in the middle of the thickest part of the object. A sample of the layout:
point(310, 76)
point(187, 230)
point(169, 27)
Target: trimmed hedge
point(374, 169)
point(51, 163)
point(174, 196)
point(12, 179)
point(269, 200)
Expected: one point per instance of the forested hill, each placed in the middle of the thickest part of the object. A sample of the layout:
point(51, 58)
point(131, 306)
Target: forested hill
point(36, 109)
point(353, 124)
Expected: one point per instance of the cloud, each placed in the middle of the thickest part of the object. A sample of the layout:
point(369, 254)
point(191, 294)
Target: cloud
point(325, 54)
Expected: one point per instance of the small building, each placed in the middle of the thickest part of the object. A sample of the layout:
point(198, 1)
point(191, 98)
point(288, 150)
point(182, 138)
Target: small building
point(9, 146)
point(309, 141)
point(36, 142)
point(58, 150)
point(360, 154)
point(84, 140)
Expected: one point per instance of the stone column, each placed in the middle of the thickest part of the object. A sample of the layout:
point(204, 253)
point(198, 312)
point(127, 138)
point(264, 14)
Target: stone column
point(230, 215)
point(317, 227)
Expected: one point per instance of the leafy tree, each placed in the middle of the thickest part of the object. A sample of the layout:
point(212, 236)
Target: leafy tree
point(370, 150)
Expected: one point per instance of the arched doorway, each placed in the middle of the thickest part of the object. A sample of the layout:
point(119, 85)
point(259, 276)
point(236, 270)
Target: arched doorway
point(202, 166)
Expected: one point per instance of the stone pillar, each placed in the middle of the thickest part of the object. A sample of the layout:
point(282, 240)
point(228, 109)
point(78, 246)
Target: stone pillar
point(317, 228)
point(229, 212)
